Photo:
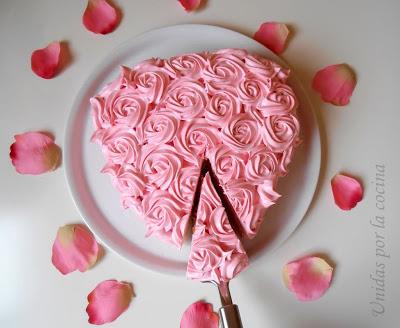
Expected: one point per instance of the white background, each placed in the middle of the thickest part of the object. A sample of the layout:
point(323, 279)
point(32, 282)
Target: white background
point(356, 138)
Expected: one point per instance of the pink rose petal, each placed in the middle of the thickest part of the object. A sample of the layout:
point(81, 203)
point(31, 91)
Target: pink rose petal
point(34, 153)
point(100, 17)
point(273, 35)
point(108, 301)
point(308, 278)
point(335, 84)
point(199, 315)
point(190, 5)
point(75, 248)
point(45, 62)
point(347, 191)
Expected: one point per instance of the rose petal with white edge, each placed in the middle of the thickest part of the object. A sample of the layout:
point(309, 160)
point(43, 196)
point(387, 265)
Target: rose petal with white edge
point(100, 17)
point(199, 315)
point(308, 278)
point(34, 153)
point(273, 35)
point(75, 248)
point(347, 191)
point(190, 5)
point(45, 62)
point(108, 301)
point(335, 84)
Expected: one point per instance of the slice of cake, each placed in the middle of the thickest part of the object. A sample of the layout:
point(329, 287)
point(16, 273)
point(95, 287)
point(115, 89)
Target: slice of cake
point(217, 253)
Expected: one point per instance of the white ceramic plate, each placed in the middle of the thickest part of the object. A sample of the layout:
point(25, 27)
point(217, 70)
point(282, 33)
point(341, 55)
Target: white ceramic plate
point(98, 202)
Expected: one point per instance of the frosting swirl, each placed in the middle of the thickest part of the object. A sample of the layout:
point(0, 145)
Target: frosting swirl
point(150, 81)
point(160, 127)
point(129, 182)
point(194, 137)
point(280, 100)
point(222, 106)
point(190, 66)
point(244, 200)
point(251, 90)
point(160, 165)
point(184, 186)
point(164, 217)
point(226, 163)
point(186, 98)
point(241, 133)
point(280, 132)
point(262, 164)
point(224, 69)
point(120, 145)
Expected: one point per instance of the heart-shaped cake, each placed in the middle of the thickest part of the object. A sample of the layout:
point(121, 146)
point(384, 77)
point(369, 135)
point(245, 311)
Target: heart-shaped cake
point(165, 123)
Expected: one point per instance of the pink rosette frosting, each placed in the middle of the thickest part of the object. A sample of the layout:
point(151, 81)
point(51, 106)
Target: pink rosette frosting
point(251, 90)
point(225, 69)
point(220, 227)
point(227, 163)
point(245, 201)
point(222, 106)
point(160, 165)
point(280, 100)
point(280, 132)
point(150, 80)
point(186, 98)
point(165, 217)
point(194, 138)
point(190, 66)
point(159, 128)
point(241, 133)
point(129, 182)
point(210, 259)
point(262, 165)
point(184, 185)
point(120, 145)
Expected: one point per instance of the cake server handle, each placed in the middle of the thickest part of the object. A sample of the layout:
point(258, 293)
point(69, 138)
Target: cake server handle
point(230, 316)
point(229, 313)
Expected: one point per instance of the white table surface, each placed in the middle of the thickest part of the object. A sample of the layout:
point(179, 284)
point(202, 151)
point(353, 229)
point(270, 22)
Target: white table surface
point(356, 138)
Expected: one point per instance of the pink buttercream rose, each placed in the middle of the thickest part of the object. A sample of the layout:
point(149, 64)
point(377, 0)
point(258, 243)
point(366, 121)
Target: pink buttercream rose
point(123, 107)
point(160, 165)
point(184, 185)
point(207, 255)
point(245, 201)
point(280, 100)
point(251, 90)
point(241, 133)
point(129, 182)
point(159, 128)
point(190, 66)
point(227, 163)
point(262, 164)
point(222, 106)
point(150, 80)
point(220, 227)
point(164, 217)
point(186, 98)
point(280, 132)
point(120, 145)
point(224, 69)
point(194, 138)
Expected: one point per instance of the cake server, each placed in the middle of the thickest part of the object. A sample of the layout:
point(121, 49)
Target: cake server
point(229, 313)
